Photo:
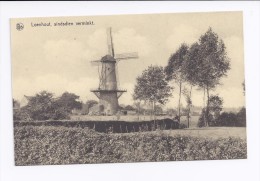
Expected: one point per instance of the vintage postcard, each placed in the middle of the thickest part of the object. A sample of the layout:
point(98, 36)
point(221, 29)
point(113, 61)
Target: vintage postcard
point(128, 88)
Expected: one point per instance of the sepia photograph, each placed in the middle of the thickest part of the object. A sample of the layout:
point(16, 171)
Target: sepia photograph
point(128, 88)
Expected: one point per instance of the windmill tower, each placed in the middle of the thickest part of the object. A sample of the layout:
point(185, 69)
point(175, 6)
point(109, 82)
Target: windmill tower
point(109, 90)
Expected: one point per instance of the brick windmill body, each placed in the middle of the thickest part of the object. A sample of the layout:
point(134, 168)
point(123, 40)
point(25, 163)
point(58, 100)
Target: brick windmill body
point(108, 91)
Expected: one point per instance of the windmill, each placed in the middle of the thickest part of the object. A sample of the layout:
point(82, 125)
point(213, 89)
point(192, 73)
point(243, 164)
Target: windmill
point(109, 90)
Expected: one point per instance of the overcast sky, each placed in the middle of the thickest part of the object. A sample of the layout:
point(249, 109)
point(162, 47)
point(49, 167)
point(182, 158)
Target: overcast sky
point(57, 59)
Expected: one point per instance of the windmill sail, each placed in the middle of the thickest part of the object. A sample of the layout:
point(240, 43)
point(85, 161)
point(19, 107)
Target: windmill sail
point(110, 42)
point(123, 56)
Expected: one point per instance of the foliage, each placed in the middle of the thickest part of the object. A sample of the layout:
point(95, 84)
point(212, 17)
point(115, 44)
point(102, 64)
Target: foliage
point(202, 119)
point(69, 101)
point(43, 106)
point(175, 69)
point(158, 110)
point(241, 117)
point(228, 119)
point(231, 119)
point(152, 86)
point(60, 145)
point(21, 114)
point(215, 105)
point(187, 95)
point(40, 106)
point(129, 107)
point(91, 103)
point(191, 65)
point(211, 63)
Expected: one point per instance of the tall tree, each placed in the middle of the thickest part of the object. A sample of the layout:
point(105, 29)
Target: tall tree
point(213, 64)
point(190, 72)
point(175, 68)
point(152, 86)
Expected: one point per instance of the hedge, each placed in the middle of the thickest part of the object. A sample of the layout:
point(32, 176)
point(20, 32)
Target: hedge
point(109, 126)
point(41, 145)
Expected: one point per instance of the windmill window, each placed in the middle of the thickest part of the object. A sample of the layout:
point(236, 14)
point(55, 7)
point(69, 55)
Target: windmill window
point(108, 68)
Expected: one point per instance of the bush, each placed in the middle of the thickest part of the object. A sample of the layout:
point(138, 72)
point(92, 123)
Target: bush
point(241, 116)
point(202, 119)
point(60, 145)
point(231, 119)
point(225, 119)
point(21, 114)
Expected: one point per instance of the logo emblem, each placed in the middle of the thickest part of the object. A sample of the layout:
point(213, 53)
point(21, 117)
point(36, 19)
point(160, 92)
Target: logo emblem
point(19, 26)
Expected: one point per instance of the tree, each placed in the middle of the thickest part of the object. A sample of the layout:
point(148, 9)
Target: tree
point(69, 101)
point(40, 106)
point(212, 64)
point(43, 106)
point(158, 110)
point(190, 71)
point(187, 95)
point(215, 107)
point(152, 86)
point(175, 68)
point(90, 104)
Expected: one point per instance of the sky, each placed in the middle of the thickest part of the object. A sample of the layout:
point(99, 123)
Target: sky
point(57, 58)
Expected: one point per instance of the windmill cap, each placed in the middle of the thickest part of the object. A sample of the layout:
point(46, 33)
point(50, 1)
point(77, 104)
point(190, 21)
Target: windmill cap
point(108, 58)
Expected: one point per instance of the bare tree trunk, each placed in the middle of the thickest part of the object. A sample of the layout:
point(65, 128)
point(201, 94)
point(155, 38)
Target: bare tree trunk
point(204, 98)
point(204, 106)
point(189, 108)
point(207, 109)
point(179, 111)
point(154, 110)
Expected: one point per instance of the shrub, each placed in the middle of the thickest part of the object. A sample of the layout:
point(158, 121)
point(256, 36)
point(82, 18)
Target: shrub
point(202, 119)
point(225, 119)
point(21, 114)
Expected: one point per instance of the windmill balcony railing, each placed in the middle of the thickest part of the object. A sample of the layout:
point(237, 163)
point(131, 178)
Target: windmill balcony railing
point(105, 90)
